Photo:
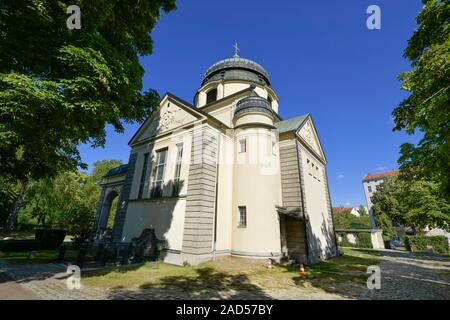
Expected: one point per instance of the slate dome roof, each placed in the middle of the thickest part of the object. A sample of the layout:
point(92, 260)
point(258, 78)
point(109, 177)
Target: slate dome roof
point(253, 103)
point(237, 68)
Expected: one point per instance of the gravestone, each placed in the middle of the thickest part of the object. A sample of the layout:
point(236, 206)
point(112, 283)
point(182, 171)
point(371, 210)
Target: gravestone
point(62, 253)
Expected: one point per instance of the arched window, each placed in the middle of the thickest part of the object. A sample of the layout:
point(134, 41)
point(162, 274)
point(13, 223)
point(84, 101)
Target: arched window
point(269, 98)
point(211, 96)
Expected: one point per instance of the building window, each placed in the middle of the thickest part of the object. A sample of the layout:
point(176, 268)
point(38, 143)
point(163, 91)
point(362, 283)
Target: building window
point(143, 174)
point(158, 179)
point(242, 217)
point(176, 180)
point(369, 188)
point(242, 146)
point(211, 96)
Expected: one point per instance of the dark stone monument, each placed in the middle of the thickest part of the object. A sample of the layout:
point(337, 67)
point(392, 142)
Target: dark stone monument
point(144, 247)
point(81, 256)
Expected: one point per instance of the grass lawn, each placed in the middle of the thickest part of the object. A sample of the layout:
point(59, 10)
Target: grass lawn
point(338, 275)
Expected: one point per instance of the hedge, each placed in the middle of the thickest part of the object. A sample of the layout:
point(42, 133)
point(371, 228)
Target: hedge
point(44, 239)
point(437, 244)
point(20, 245)
point(363, 240)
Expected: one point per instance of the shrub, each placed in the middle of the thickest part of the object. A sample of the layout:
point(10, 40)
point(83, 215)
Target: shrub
point(363, 240)
point(51, 239)
point(437, 244)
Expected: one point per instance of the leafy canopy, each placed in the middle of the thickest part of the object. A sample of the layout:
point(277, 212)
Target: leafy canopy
point(428, 106)
point(416, 204)
point(67, 201)
point(61, 87)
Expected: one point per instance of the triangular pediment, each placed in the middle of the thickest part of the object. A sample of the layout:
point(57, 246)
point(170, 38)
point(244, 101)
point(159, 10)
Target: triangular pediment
point(171, 114)
point(308, 134)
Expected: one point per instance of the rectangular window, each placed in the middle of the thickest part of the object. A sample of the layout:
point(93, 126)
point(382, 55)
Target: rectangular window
point(143, 174)
point(176, 180)
point(369, 188)
point(242, 217)
point(242, 146)
point(158, 179)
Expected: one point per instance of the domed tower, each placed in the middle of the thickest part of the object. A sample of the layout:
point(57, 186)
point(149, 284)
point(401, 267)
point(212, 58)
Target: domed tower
point(232, 75)
point(238, 92)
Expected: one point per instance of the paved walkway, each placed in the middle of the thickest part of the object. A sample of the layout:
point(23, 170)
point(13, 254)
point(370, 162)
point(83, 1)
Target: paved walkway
point(9, 290)
point(404, 276)
point(408, 276)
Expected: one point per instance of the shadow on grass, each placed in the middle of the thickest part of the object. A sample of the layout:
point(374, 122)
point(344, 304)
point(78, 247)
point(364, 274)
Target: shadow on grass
point(343, 275)
point(205, 283)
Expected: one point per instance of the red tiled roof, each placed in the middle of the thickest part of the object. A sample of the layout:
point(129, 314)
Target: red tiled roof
point(373, 176)
point(340, 210)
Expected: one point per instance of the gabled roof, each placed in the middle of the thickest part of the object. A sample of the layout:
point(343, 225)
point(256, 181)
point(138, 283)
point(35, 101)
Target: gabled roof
point(292, 124)
point(182, 103)
point(375, 176)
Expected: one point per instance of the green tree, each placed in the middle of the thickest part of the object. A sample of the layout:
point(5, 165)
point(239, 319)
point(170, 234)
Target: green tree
point(427, 108)
point(346, 220)
point(102, 167)
point(416, 204)
point(67, 201)
point(362, 210)
point(61, 87)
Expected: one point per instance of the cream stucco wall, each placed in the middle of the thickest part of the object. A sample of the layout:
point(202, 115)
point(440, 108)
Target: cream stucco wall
point(256, 181)
point(166, 216)
point(316, 199)
point(225, 194)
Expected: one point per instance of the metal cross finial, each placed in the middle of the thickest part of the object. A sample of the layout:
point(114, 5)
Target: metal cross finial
point(236, 50)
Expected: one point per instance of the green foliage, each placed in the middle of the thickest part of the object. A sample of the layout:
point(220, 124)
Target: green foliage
point(437, 244)
point(67, 201)
point(78, 221)
point(61, 87)
point(8, 193)
point(346, 220)
point(428, 106)
point(416, 204)
point(361, 210)
point(363, 240)
point(102, 167)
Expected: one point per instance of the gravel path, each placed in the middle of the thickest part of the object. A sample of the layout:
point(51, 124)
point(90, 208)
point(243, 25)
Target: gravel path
point(408, 276)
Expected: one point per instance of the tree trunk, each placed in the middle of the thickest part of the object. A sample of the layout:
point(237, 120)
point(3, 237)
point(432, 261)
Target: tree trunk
point(17, 205)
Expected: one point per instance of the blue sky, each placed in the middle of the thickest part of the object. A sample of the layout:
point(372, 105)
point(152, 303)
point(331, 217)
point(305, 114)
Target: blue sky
point(321, 59)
